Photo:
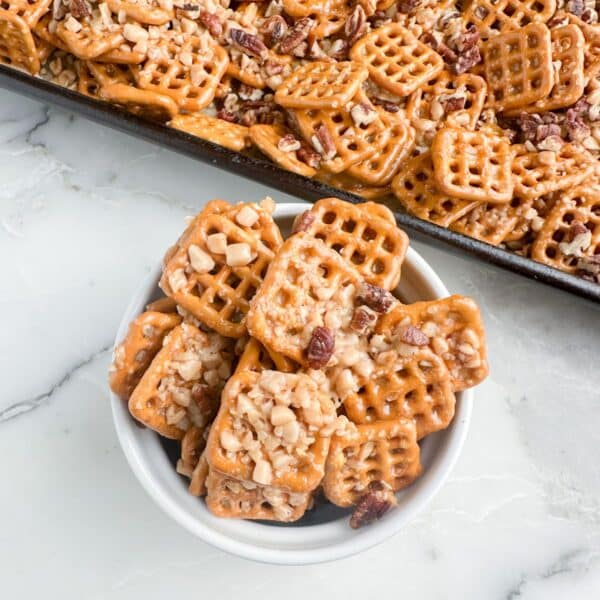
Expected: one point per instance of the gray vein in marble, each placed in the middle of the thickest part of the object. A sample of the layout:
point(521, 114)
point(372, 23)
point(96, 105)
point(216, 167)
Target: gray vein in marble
point(29, 135)
point(25, 406)
point(575, 560)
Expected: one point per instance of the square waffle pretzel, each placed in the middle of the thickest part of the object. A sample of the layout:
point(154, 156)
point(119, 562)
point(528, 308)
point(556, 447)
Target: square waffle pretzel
point(327, 85)
point(220, 296)
point(273, 429)
point(148, 13)
point(455, 330)
point(267, 139)
point(472, 166)
point(490, 223)
point(396, 59)
point(493, 16)
point(539, 173)
point(31, 11)
point(89, 43)
point(412, 383)
point(17, 47)
point(182, 385)
point(144, 103)
point(385, 451)
point(353, 143)
point(230, 498)
point(217, 131)
point(432, 102)
point(308, 285)
point(415, 189)
point(189, 73)
point(557, 244)
point(373, 245)
point(568, 55)
point(381, 166)
point(133, 355)
point(518, 67)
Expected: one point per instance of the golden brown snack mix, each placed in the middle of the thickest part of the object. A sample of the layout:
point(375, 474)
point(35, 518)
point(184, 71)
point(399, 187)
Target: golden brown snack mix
point(330, 381)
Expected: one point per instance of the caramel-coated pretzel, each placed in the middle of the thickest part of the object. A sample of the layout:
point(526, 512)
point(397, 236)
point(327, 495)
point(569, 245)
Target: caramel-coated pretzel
point(396, 59)
point(385, 451)
point(374, 246)
point(229, 498)
point(472, 165)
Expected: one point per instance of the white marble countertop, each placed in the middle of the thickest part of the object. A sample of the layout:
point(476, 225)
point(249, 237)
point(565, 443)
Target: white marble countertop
point(84, 213)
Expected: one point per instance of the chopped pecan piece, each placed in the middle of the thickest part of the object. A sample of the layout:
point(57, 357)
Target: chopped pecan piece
point(273, 29)
point(375, 298)
point(323, 142)
point(225, 115)
point(577, 130)
point(372, 505)
point(212, 23)
point(320, 348)
point(303, 221)
point(79, 9)
point(308, 156)
point(288, 143)
point(576, 228)
point(576, 7)
point(296, 35)
point(356, 24)
point(386, 104)
point(467, 60)
point(453, 103)
point(248, 43)
point(362, 319)
point(413, 336)
point(408, 6)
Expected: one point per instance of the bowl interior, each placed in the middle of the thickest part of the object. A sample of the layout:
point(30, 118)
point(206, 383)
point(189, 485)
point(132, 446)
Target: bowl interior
point(323, 533)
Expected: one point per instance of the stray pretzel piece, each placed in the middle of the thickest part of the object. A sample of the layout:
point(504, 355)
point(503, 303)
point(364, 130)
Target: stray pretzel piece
point(211, 129)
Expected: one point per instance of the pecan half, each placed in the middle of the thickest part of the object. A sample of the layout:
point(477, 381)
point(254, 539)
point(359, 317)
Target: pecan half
point(413, 336)
point(308, 156)
point(296, 35)
point(323, 142)
point(273, 29)
point(362, 319)
point(375, 298)
point(372, 505)
point(356, 24)
point(288, 143)
point(320, 348)
point(303, 221)
point(79, 9)
point(225, 115)
point(248, 43)
point(212, 23)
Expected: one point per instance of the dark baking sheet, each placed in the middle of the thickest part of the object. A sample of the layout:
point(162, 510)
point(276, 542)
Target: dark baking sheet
point(266, 172)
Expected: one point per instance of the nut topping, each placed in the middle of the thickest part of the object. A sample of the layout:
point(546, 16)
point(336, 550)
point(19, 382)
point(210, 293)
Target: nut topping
point(372, 505)
point(320, 348)
point(375, 298)
point(303, 221)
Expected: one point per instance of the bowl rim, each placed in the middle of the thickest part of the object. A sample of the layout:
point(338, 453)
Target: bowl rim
point(322, 551)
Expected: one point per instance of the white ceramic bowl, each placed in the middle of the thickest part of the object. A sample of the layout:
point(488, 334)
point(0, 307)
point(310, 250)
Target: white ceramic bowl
point(323, 534)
